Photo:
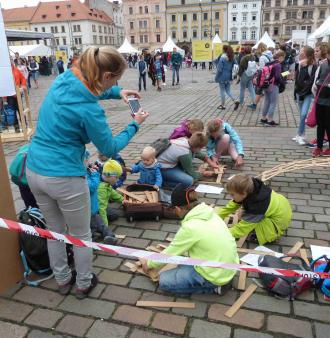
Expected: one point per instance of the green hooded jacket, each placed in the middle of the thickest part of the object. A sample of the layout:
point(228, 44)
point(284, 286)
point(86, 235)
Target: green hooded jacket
point(204, 236)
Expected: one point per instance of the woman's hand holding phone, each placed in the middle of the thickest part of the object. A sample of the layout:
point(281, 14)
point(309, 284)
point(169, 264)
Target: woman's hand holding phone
point(126, 93)
point(140, 116)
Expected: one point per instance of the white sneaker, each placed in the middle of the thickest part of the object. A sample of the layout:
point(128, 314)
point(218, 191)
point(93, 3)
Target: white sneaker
point(300, 141)
point(295, 138)
point(164, 84)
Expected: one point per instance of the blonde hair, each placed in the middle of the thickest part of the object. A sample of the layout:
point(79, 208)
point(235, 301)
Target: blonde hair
point(148, 152)
point(195, 125)
point(198, 140)
point(262, 47)
point(214, 125)
point(94, 62)
point(240, 184)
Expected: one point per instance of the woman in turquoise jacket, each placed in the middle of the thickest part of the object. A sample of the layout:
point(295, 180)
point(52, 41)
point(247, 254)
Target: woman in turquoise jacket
point(69, 118)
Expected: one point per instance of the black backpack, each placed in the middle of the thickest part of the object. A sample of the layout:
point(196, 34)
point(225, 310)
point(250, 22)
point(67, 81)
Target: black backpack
point(160, 145)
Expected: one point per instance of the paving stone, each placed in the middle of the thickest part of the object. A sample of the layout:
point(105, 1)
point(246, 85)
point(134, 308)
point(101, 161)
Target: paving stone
point(39, 296)
point(152, 234)
point(252, 319)
point(8, 330)
point(267, 303)
point(50, 284)
point(121, 294)
point(43, 318)
point(323, 235)
point(201, 328)
point(170, 227)
point(315, 226)
point(136, 242)
point(302, 216)
point(309, 241)
point(142, 282)
point(321, 330)
point(321, 218)
point(132, 315)
point(240, 333)
point(301, 233)
point(312, 311)
point(114, 277)
point(88, 307)
point(228, 299)
point(74, 325)
point(107, 262)
point(104, 329)
point(170, 323)
point(42, 334)
point(96, 292)
point(148, 225)
point(199, 310)
point(131, 232)
point(289, 326)
point(144, 334)
point(13, 310)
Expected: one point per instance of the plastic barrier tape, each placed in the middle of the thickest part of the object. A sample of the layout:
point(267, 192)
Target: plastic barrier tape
point(159, 257)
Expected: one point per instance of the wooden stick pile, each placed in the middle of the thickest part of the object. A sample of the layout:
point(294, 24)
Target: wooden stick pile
point(218, 172)
point(139, 197)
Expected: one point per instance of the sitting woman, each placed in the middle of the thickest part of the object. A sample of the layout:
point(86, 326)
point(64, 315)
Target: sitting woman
point(263, 210)
point(204, 235)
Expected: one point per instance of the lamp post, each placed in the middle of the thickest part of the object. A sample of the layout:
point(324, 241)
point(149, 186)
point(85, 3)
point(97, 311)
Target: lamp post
point(211, 19)
point(200, 7)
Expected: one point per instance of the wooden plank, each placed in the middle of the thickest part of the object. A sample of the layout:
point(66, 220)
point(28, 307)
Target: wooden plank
point(161, 246)
point(255, 252)
point(293, 251)
point(153, 274)
point(130, 194)
point(242, 280)
point(153, 248)
point(155, 196)
point(241, 241)
point(241, 300)
point(182, 305)
point(131, 266)
point(149, 196)
point(303, 254)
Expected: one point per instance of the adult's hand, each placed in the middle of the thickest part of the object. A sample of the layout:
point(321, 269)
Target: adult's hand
point(140, 116)
point(125, 93)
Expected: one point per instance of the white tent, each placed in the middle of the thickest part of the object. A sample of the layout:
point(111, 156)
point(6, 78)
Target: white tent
point(266, 39)
point(216, 39)
point(322, 31)
point(169, 45)
point(127, 48)
point(31, 50)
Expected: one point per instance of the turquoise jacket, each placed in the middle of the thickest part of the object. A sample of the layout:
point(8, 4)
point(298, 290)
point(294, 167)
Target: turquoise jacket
point(18, 165)
point(69, 118)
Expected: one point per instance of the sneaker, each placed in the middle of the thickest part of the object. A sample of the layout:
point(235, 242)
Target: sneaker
point(300, 141)
point(222, 107)
point(326, 153)
point(177, 83)
point(272, 124)
point(236, 105)
point(223, 289)
point(295, 138)
point(263, 121)
point(252, 106)
point(83, 293)
point(311, 145)
point(65, 289)
point(317, 152)
point(111, 240)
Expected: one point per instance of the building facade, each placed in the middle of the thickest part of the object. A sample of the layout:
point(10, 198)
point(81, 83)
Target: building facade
point(144, 22)
point(281, 17)
point(189, 20)
point(244, 21)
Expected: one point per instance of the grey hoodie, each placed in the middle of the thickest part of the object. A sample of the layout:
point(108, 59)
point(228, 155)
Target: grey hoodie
point(265, 58)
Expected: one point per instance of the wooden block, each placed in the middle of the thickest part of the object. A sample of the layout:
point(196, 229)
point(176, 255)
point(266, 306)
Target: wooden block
point(130, 194)
point(183, 305)
point(293, 251)
point(218, 181)
point(241, 300)
point(153, 248)
point(153, 274)
point(242, 280)
point(241, 241)
point(131, 266)
point(155, 196)
point(303, 254)
point(120, 236)
point(161, 246)
point(149, 196)
point(255, 252)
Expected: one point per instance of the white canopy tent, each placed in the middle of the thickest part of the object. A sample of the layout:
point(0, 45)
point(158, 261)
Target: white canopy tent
point(266, 39)
point(127, 48)
point(322, 31)
point(169, 45)
point(216, 39)
point(31, 50)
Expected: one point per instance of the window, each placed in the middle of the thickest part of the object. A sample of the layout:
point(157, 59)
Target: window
point(130, 10)
point(101, 39)
point(157, 8)
point(194, 33)
point(278, 3)
point(173, 18)
point(194, 16)
point(205, 34)
point(105, 30)
point(141, 38)
point(105, 40)
point(287, 30)
point(146, 10)
point(100, 29)
point(146, 38)
point(268, 3)
point(93, 28)
point(132, 39)
point(63, 29)
point(244, 17)
point(254, 17)
point(141, 10)
point(205, 16)
point(233, 36)
point(217, 15)
point(157, 37)
point(78, 41)
point(322, 14)
point(234, 18)
point(277, 16)
point(245, 6)
point(64, 41)
point(308, 2)
point(131, 25)
point(234, 6)
point(307, 14)
point(275, 30)
point(243, 35)
point(140, 24)
point(309, 29)
point(323, 2)
point(43, 29)
point(57, 40)
point(254, 5)
point(216, 31)
point(184, 34)
point(183, 2)
point(184, 17)
point(157, 23)
point(310, 15)
point(36, 29)
point(253, 34)
point(173, 35)
point(266, 17)
point(94, 39)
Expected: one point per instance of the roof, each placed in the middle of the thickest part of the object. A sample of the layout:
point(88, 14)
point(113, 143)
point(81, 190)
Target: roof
point(73, 10)
point(22, 35)
point(18, 14)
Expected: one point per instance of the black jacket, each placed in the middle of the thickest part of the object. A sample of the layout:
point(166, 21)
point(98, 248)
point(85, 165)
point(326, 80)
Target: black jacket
point(304, 80)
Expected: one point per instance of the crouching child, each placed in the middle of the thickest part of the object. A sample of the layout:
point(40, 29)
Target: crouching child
point(262, 209)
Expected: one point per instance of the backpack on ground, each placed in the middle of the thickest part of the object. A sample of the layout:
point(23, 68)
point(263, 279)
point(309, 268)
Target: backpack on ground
point(251, 69)
point(263, 78)
point(160, 145)
point(284, 287)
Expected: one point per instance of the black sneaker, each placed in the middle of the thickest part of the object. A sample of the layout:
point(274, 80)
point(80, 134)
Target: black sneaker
point(111, 240)
point(83, 293)
point(66, 288)
point(272, 124)
point(236, 105)
point(263, 121)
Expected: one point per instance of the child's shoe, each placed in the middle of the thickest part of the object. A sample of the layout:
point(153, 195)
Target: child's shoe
point(111, 240)
point(326, 153)
point(317, 152)
point(65, 289)
point(252, 106)
point(83, 293)
point(223, 289)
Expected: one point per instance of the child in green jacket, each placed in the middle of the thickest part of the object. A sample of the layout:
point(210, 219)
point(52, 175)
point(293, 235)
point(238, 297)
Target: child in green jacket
point(263, 210)
point(112, 170)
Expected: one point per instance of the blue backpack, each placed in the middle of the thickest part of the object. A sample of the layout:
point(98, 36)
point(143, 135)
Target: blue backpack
point(322, 264)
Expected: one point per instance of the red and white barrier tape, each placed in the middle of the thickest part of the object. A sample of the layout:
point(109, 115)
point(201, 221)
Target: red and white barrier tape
point(159, 257)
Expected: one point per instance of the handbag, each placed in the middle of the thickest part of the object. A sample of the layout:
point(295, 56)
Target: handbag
point(311, 117)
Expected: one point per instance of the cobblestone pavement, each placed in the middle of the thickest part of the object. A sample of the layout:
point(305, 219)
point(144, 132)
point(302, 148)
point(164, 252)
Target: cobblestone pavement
point(110, 311)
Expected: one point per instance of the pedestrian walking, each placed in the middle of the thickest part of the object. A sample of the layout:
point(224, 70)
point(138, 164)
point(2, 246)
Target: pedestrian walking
point(142, 69)
point(176, 61)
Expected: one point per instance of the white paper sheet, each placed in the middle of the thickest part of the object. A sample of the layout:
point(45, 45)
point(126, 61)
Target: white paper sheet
point(208, 189)
point(252, 259)
point(318, 251)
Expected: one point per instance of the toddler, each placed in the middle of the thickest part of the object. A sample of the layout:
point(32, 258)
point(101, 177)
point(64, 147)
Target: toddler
point(148, 168)
point(263, 210)
point(187, 128)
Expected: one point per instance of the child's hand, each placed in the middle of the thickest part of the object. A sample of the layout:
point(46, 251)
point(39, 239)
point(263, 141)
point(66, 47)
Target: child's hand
point(144, 264)
point(208, 173)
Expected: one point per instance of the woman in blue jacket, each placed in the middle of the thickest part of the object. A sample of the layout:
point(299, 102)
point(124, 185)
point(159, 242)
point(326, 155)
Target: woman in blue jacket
point(69, 118)
point(224, 74)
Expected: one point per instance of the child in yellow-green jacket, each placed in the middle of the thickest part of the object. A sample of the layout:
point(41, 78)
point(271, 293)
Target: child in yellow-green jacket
point(110, 174)
point(263, 210)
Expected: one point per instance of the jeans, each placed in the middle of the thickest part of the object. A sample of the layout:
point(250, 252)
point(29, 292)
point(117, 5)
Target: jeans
point(246, 82)
point(173, 176)
point(143, 78)
point(225, 88)
point(175, 69)
point(27, 196)
point(65, 204)
point(303, 108)
point(270, 101)
point(185, 280)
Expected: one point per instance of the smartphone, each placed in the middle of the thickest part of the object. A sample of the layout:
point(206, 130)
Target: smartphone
point(285, 73)
point(134, 104)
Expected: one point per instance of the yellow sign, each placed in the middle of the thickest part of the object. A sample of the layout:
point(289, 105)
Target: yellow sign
point(202, 50)
point(217, 50)
point(61, 53)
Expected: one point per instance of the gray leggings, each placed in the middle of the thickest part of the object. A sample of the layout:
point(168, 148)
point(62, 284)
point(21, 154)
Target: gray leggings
point(65, 204)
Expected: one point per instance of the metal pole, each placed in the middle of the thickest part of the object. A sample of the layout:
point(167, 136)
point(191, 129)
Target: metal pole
point(211, 19)
point(200, 7)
